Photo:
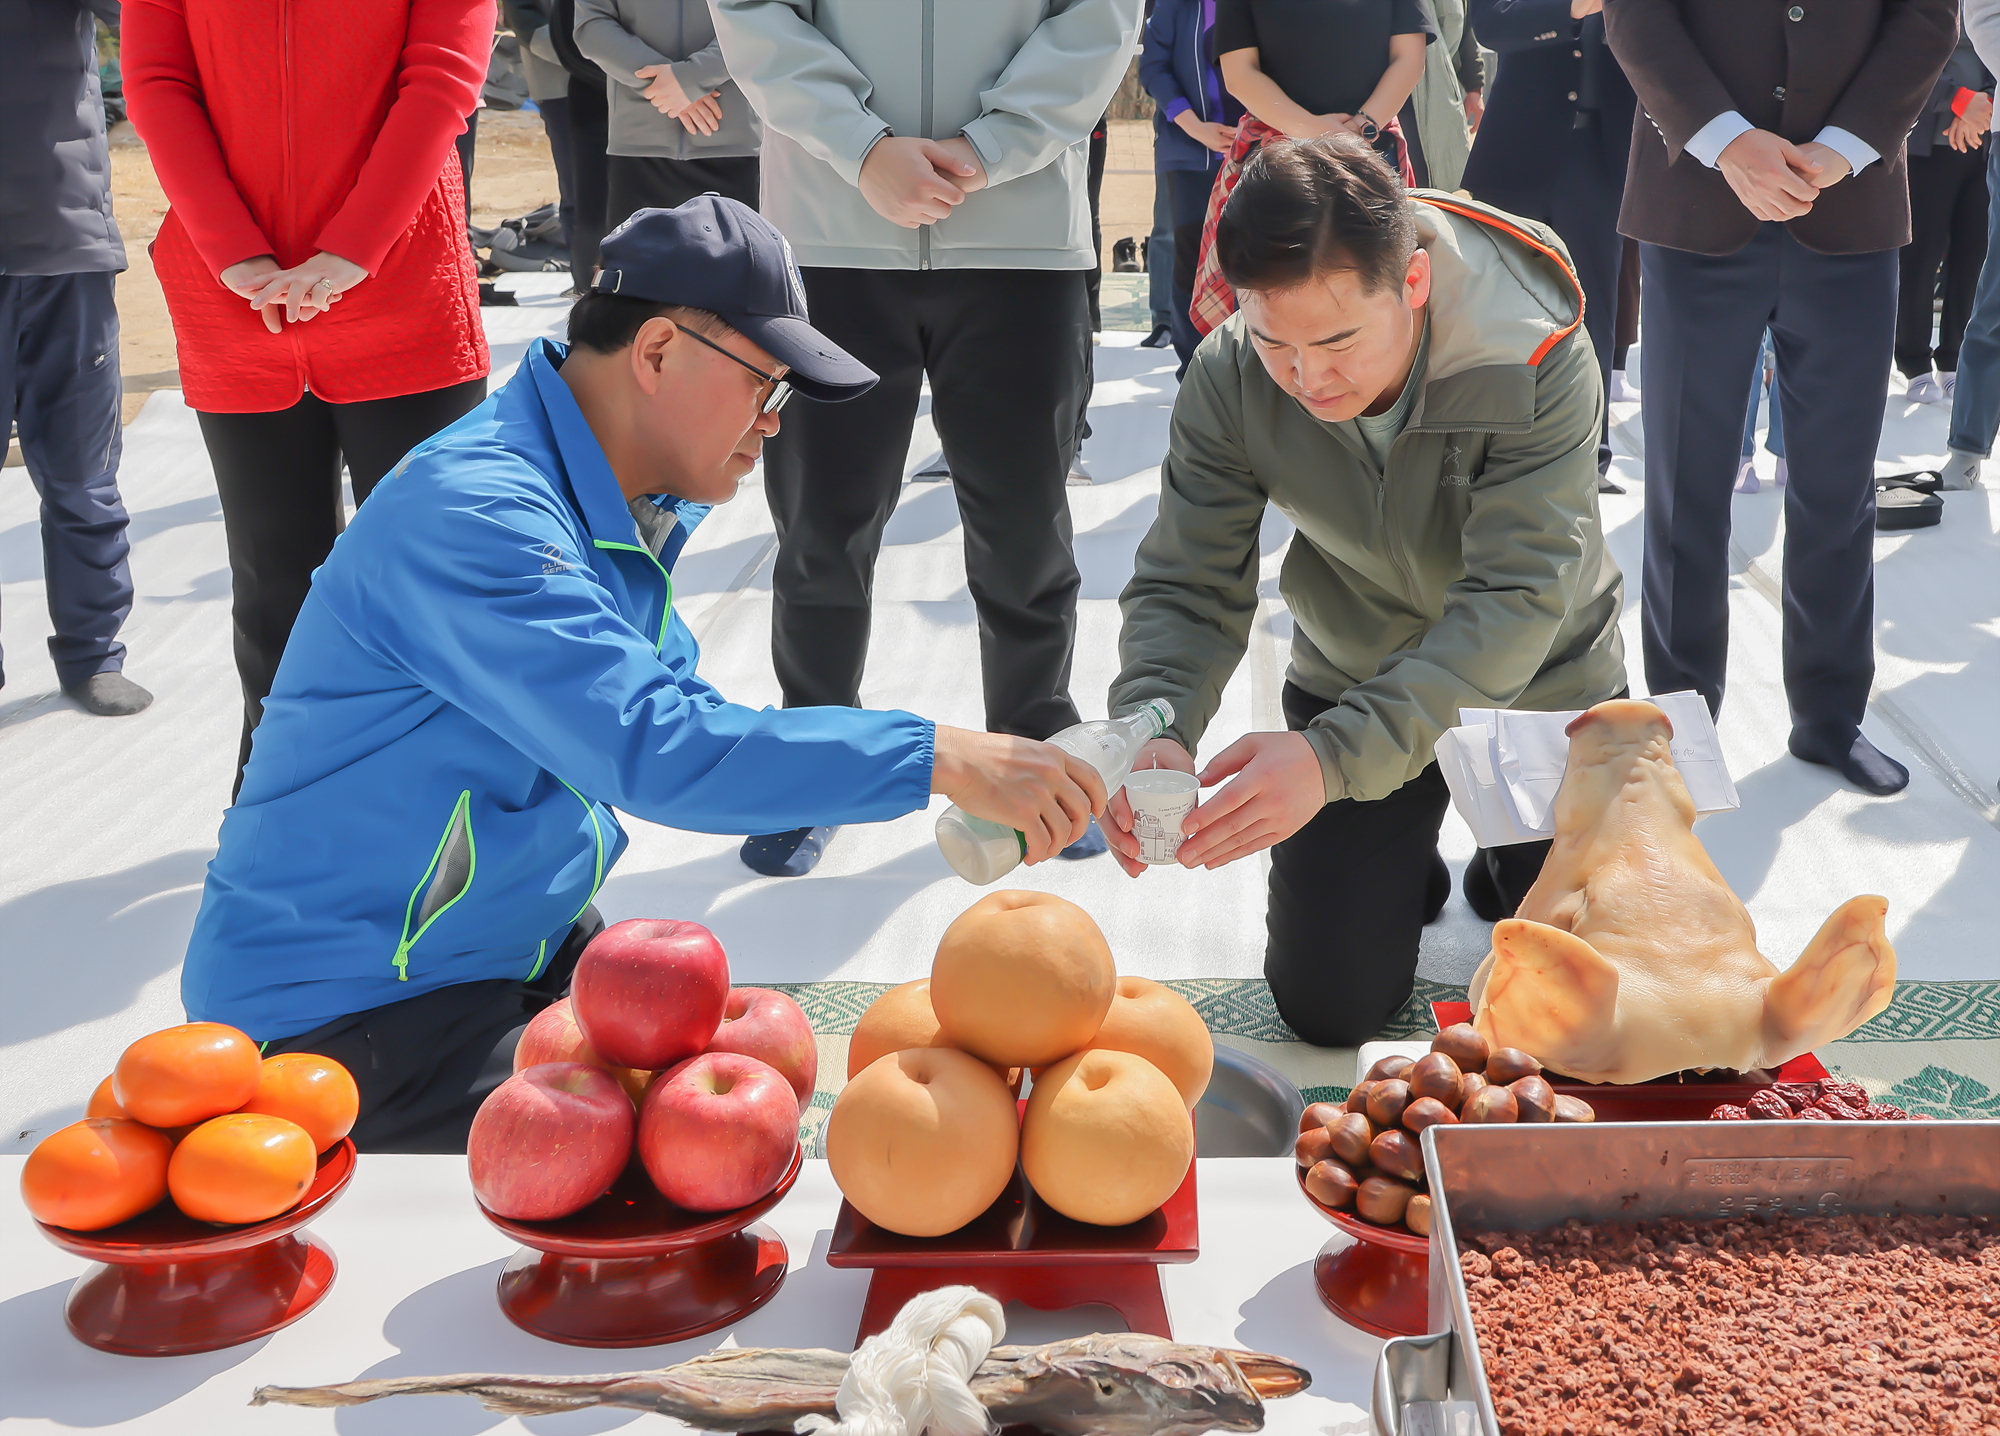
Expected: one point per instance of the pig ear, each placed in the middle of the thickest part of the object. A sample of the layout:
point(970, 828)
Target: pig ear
point(1845, 976)
point(1548, 992)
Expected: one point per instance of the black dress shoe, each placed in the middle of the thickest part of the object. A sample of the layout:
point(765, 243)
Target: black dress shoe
point(1162, 337)
point(1844, 750)
point(1482, 889)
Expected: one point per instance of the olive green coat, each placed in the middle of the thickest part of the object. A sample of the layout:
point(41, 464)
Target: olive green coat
point(1474, 574)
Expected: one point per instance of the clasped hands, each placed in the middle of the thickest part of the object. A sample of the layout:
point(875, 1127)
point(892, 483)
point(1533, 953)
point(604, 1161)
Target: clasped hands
point(1776, 179)
point(701, 115)
point(915, 182)
point(1276, 788)
point(292, 295)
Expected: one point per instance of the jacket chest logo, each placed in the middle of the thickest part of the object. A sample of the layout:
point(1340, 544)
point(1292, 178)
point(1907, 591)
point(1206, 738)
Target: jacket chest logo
point(1454, 463)
point(553, 560)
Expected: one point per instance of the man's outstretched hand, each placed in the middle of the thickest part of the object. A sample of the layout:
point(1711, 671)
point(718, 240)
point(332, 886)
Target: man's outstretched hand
point(1773, 177)
point(915, 182)
point(1036, 788)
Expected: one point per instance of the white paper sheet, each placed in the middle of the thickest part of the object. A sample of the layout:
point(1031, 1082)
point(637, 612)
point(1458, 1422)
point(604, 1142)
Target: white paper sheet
point(1505, 767)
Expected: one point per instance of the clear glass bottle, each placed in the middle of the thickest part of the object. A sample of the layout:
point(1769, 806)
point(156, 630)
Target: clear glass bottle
point(982, 852)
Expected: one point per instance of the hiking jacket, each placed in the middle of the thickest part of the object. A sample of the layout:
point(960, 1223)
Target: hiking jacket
point(286, 127)
point(55, 167)
point(487, 664)
point(1177, 66)
point(1472, 573)
point(1024, 81)
point(627, 35)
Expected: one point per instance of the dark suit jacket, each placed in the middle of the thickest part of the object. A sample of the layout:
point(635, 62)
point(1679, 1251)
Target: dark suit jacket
point(1556, 76)
point(1791, 67)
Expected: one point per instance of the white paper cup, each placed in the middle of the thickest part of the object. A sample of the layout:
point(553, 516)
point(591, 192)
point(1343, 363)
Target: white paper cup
point(1161, 799)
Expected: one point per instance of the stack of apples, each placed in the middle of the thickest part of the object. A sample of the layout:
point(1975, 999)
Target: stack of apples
point(653, 1053)
point(196, 1114)
point(926, 1134)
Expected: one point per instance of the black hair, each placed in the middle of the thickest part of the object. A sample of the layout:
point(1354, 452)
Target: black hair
point(607, 323)
point(1305, 208)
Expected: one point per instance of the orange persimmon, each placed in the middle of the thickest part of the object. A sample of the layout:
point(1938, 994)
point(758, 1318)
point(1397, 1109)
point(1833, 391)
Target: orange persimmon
point(243, 1167)
point(316, 1092)
point(96, 1173)
point(186, 1074)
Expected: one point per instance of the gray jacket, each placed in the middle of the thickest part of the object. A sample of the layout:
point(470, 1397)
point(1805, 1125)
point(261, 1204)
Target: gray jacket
point(55, 168)
point(627, 35)
point(1023, 80)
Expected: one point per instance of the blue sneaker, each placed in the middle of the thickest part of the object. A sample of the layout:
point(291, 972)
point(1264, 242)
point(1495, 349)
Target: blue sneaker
point(1088, 846)
point(787, 855)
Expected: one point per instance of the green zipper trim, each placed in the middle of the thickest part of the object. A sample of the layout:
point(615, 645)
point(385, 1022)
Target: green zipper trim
point(597, 831)
point(541, 960)
point(461, 809)
point(665, 577)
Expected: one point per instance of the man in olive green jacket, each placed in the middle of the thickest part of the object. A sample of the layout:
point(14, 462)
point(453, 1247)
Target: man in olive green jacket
point(1408, 381)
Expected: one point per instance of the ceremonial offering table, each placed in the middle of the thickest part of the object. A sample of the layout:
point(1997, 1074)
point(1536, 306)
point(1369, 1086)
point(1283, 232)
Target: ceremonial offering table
point(415, 1296)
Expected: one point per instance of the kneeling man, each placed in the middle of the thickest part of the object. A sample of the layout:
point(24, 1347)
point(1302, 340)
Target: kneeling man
point(490, 662)
point(1408, 381)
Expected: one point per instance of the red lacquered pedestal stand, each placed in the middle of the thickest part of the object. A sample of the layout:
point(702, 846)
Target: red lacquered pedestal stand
point(1684, 1097)
point(1382, 1282)
point(1021, 1249)
point(633, 1269)
point(172, 1286)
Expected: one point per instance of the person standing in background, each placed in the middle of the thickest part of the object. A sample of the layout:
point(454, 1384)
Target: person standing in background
point(929, 165)
point(1194, 124)
point(60, 256)
point(1769, 191)
point(1947, 224)
point(1439, 117)
point(679, 125)
point(314, 263)
point(1975, 399)
point(589, 137)
point(1553, 147)
point(548, 87)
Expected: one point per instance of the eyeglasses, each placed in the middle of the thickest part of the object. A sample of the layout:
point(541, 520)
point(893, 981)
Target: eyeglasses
point(780, 389)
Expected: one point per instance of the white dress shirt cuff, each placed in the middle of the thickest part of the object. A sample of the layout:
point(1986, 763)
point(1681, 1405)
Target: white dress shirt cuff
point(1713, 138)
point(1858, 153)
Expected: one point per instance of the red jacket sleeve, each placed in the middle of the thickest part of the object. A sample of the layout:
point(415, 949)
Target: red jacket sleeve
point(443, 67)
point(163, 93)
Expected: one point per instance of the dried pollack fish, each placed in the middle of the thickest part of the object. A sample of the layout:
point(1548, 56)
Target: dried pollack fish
point(1122, 1385)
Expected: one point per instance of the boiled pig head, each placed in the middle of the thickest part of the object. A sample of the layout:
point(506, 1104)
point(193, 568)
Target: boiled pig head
point(1630, 957)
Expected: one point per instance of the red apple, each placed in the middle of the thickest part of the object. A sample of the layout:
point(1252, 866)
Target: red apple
point(549, 1140)
point(553, 1036)
point(718, 1131)
point(772, 1028)
point(649, 992)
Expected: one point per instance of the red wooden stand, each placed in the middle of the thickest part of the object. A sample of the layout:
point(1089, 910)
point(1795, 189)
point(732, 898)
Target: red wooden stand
point(1684, 1097)
point(633, 1269)
point(1021, 1249)
point(169, 1285)
point(1381, 1282)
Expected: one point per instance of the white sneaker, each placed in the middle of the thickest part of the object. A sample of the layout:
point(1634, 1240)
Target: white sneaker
point(1746, 477)
point(1925, 389)
point(1622, 391)
point(1948, 383)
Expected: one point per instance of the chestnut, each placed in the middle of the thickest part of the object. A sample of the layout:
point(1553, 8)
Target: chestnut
point(1417, 1216)
point(1320, 1114)
point(1383, 1200)
point(1331, 1184)
point(1350, 1138)
point(1464, 1044)
point(1357, 1100)
point(1394, 1065)
point(1570, 1109)
point(1427, 1112)
point(1386, 1101)
point(1436, 1076)
point(1492, 1104)
point(1537, 1100)
point(1397, 1153)
point(1510, 1064)
point(1315, 1145)
point(1474, 1083)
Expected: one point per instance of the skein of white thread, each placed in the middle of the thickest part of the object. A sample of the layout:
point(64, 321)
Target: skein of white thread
point(915, 1377)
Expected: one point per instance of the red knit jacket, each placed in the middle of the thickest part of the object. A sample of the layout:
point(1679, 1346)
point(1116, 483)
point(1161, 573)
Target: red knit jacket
point(285, 127)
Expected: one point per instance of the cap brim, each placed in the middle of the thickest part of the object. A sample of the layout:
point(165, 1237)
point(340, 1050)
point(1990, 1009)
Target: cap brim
point(819, 368)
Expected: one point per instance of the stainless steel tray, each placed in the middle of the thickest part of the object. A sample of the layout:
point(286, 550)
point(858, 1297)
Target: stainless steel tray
point(1511, 1178)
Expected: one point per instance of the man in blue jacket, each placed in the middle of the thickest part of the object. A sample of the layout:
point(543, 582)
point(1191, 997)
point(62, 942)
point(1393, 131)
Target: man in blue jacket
point(489, 662)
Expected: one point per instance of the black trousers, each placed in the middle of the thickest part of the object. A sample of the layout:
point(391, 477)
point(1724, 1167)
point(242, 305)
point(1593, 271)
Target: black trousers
point(1190, 192)
point(278, 475)
point(59, 384)
point(1580, 203)
point(637, 182)
point(1350, 894)
point(1832, 319)
point(1948, 227)
point(1093, 281)
point(425, 1064)
point(1006, 351)
point(589, 135)
point(555, 124)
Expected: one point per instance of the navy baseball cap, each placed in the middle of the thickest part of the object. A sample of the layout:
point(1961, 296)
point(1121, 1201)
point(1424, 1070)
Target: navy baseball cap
point(716, 254)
